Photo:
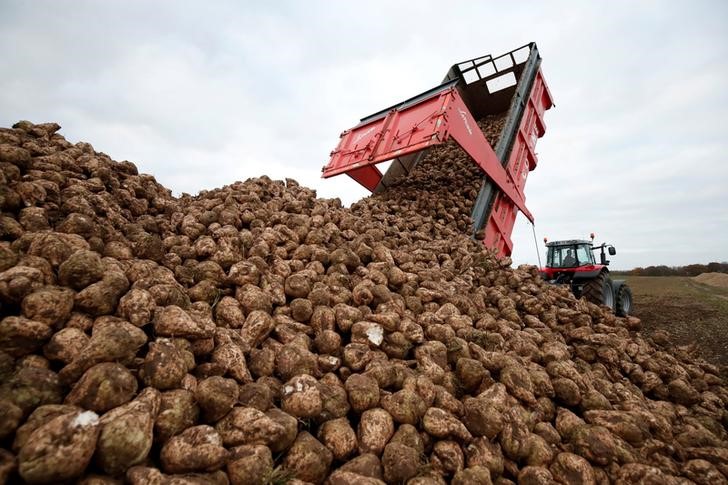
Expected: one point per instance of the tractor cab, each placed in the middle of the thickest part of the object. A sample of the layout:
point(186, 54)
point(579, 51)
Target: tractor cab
point(575, 256)
point(569, 254)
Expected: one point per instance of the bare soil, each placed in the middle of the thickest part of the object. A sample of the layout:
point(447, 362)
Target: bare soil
point(692, 313)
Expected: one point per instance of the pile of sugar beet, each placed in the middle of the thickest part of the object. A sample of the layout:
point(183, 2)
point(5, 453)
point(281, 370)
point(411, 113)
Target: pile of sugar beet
point(255, 334)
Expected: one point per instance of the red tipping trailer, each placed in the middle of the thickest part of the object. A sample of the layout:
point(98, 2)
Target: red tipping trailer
point(471, 90)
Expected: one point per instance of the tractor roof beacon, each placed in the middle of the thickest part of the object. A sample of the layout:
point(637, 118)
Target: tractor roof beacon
point(571, 262)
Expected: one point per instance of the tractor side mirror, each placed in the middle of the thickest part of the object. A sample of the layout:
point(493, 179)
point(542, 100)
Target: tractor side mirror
point(612, 251)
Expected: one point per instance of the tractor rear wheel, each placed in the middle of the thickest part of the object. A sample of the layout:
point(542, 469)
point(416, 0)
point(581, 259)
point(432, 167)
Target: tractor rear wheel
point(624, 301)
point(599, 290)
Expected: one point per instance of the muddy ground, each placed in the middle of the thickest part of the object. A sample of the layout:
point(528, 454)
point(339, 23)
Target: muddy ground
point(691, 313)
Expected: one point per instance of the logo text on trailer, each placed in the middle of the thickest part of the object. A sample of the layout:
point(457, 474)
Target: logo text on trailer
point(362, 135)
point(465, 120)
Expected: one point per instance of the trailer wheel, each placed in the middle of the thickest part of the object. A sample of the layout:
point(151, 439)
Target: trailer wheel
point(599, 290)
point(624, 301)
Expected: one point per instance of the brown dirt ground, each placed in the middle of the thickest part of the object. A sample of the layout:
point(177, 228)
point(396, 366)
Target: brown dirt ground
point(692, 313)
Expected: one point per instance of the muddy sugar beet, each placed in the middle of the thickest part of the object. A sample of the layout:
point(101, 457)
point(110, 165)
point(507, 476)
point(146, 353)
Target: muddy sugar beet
point(257, 334)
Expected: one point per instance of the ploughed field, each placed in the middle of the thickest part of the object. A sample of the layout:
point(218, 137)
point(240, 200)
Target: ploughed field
point(257, 334)
point(677, 310)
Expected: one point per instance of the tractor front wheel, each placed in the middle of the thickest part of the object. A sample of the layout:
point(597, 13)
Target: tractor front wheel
point(624, 301)
point(599, 290)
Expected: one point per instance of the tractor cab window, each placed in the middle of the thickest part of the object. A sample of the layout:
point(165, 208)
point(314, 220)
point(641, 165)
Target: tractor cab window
point(569, 256)
point(562, 257)
point(584, 255)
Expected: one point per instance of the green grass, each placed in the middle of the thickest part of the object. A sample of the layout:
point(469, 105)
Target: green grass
point(279, 476)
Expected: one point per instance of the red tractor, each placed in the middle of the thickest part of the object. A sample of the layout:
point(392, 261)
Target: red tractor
point(572, 263)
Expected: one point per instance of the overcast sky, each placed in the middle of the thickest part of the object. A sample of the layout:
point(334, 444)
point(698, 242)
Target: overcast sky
point(201, 94)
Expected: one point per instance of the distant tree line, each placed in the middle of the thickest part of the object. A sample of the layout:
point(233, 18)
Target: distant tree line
point(689, 270)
